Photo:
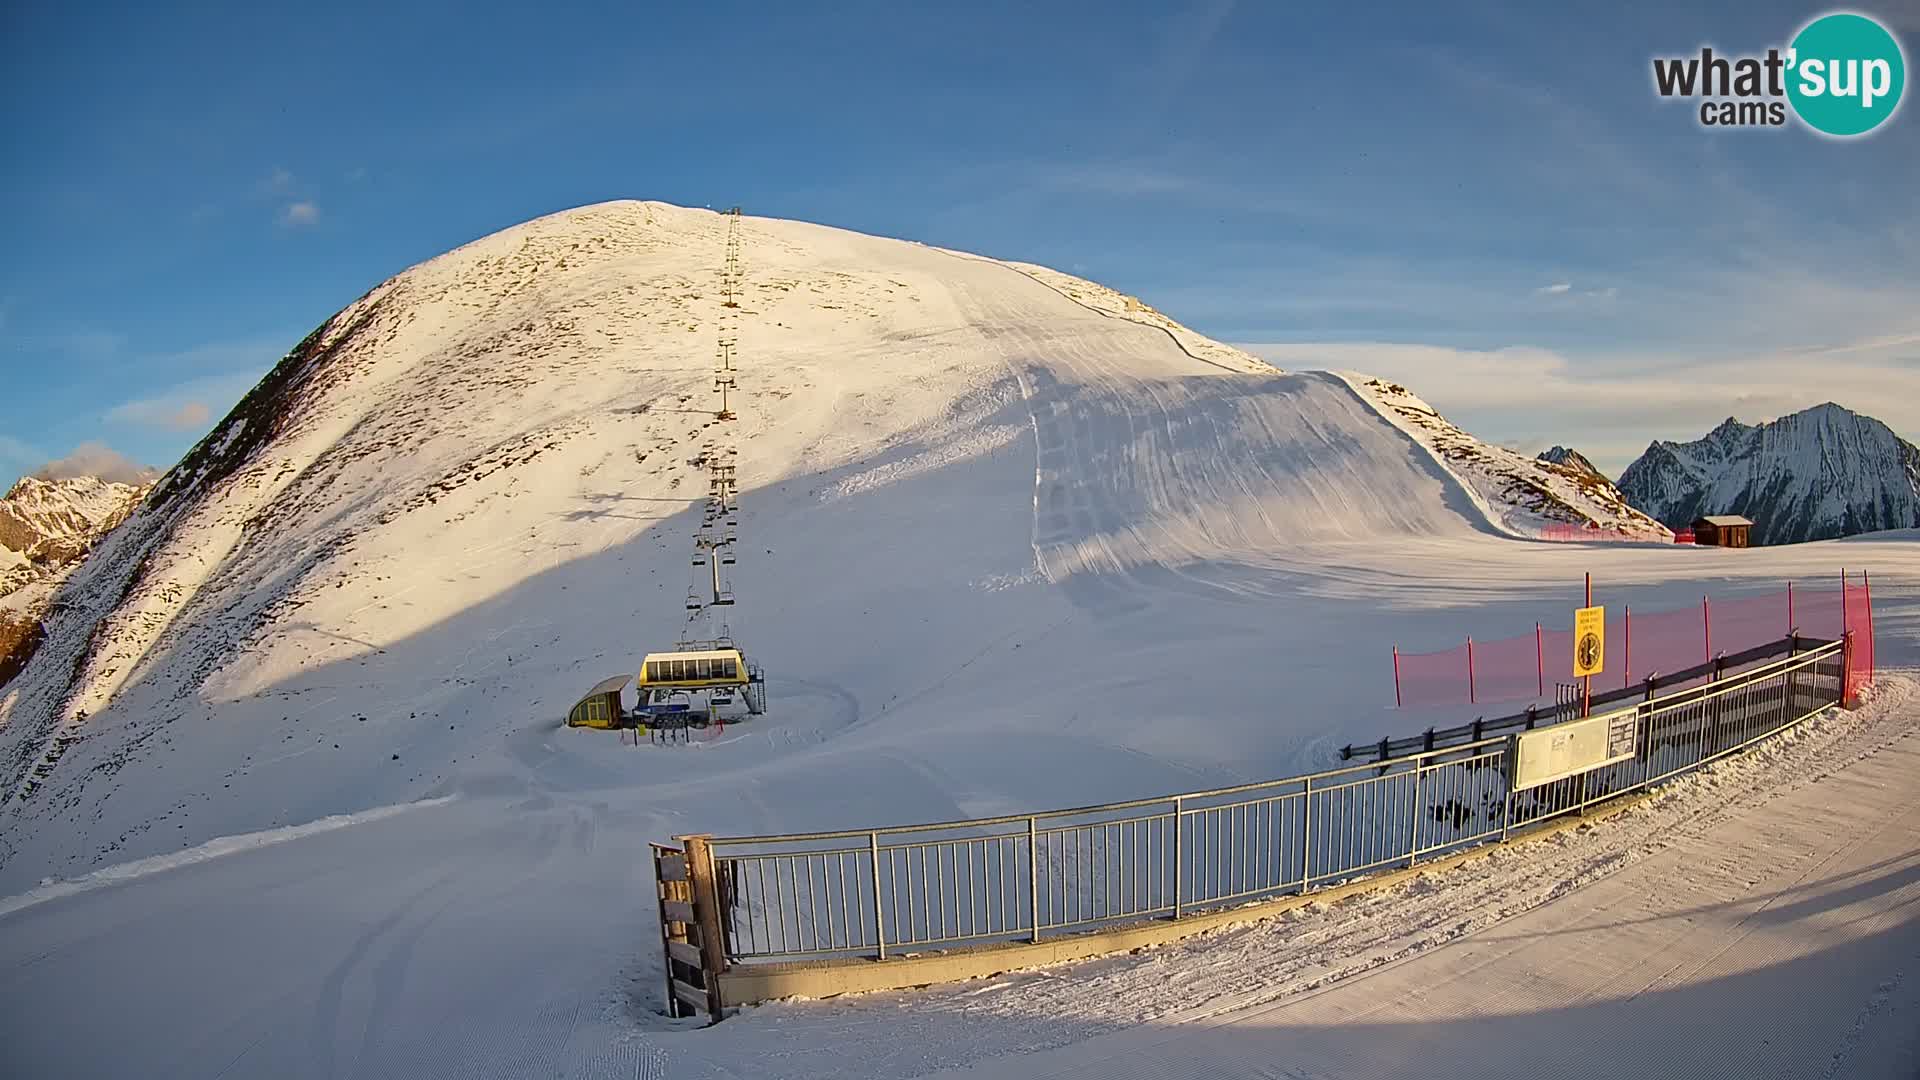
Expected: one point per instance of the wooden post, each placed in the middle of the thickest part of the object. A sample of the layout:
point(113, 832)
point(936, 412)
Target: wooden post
point(706, 910)
point(663, 883)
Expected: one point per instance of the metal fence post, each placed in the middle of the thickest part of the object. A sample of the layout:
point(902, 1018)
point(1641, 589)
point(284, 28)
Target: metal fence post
point(1413, 812)
point(1511, 751)
point(1306, 835)
point(879, 921)
point(1033, 874)
point(1178, 864)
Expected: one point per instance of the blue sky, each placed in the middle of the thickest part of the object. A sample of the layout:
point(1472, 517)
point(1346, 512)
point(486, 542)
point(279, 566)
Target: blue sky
point(1486, 202)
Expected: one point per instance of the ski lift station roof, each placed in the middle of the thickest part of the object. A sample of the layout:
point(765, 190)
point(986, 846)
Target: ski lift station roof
point(600, 706)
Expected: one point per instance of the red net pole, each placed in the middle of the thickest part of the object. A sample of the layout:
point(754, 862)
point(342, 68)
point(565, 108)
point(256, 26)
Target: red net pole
point(1844, 621)
point(1706, 626)
point(1396, 677)
point(1872, 651)
point(1539, 660)
point(1586, 681)
point(1471, 699)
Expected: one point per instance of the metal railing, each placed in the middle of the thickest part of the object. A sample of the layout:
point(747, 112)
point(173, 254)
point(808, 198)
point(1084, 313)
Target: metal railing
point(1019, 878)
point(1536, 715)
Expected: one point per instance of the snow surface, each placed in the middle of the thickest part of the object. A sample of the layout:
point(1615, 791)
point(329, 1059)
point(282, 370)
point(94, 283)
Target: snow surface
point(477, 502)
point(1752, 923)
point(1000, 551)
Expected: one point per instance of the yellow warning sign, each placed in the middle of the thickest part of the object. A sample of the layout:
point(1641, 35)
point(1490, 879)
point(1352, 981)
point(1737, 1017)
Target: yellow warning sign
point(1589, 640)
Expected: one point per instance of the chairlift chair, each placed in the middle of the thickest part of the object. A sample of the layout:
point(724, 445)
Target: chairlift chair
point(693, 600)
point(724, 598)
point(726, 558)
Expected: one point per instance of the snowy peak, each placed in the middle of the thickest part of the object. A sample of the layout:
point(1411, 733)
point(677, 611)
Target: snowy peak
point(1520, 495)
point(1572, 459)
point(1819, 473)
point(47, 527)
point(47, 524)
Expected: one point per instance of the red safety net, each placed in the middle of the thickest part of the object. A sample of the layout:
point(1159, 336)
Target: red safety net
point(1639, 644)
point(1859, 621)
point(1506, 670)
point(1817, 613)
point(1666, 641)
point(1564, 533)
point(1433, 678)
point(1741, 624)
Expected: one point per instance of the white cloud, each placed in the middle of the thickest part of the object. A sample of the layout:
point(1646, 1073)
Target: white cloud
point(1556, 288)
point(300, 213)
point(189, 407)
point(279, 180)
point(96, 459)
point(1610, 407)
point(186, 416)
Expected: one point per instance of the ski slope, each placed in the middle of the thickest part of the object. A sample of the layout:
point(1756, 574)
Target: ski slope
point(469, 497)
point(307, 808)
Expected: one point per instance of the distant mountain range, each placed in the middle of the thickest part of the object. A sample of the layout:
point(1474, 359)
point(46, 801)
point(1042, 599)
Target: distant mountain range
point(47, 527)
point(1817, 474)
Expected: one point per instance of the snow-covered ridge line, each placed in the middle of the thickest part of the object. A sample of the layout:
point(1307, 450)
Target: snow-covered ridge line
point(218, 847)
point(1115, 304)
point(1519, 495)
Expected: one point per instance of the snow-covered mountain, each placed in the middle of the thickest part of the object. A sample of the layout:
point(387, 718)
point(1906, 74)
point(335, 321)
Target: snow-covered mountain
point(1523, 495)
point(46, 527)
point(1819, 473)
point(470, 495)
point(47, 524)
point(1574, 459)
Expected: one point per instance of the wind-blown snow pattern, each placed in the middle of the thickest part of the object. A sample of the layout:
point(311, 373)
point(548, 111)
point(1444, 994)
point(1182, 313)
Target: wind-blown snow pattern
point(1006, 544)
point(1820, 473)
